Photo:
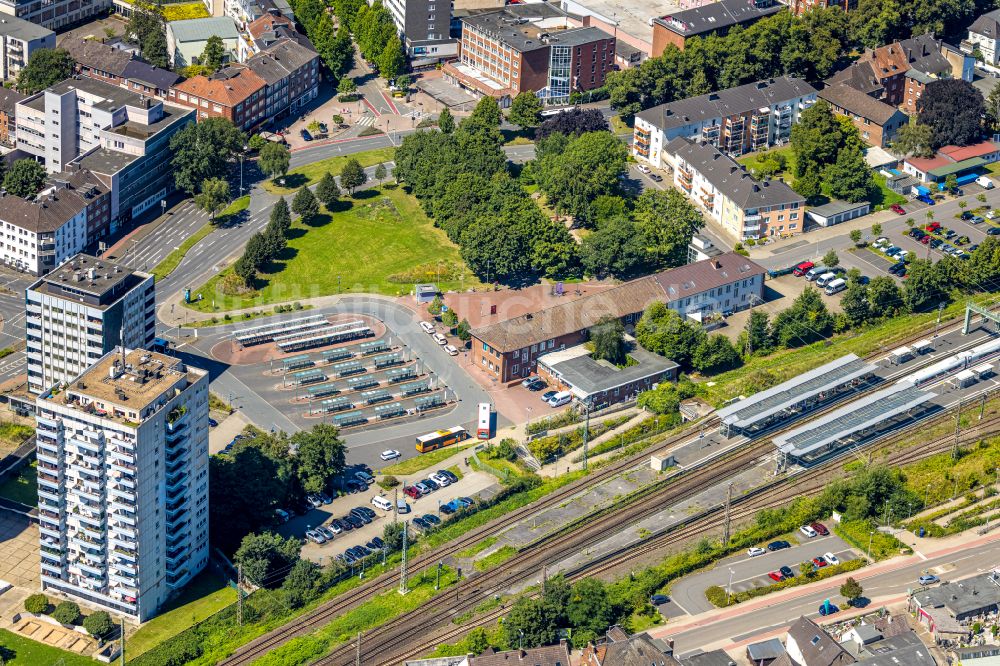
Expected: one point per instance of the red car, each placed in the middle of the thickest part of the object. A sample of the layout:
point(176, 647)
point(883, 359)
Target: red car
point(820, 529)
point(897, 209)
point(802, 268)
point(819, 562)
point(925, 240)
point(775, 576)
point(933, 226)
point(411, 492)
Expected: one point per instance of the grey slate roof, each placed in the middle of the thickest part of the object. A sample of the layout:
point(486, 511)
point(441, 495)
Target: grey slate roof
point(987, 25)
point(924, 54)
point(513, 26)
point(732, 101)
point(154, 77)
point(96, 55)
point(713, 658)
point(199, 30)
point(716, 16)
point(730, 178)
point(18, 28)
point(817, 647)
point(44, 216)
point(963, 597)
point(905, 648)
point(858, 103)
point(279, 60)
point(8, 99)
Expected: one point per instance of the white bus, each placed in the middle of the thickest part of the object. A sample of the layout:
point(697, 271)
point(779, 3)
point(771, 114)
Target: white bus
point(483, 430)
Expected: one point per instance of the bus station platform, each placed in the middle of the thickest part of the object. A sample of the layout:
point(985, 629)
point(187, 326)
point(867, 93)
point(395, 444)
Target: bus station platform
point(796, 397)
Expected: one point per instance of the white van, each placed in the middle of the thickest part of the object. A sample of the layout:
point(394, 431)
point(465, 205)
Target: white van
point(380, 502)
point(815, 272)
point(985, 182)
point(825, 279)
point(560, 399)
point(836, 286)
point(402, 506)
point(427, 326)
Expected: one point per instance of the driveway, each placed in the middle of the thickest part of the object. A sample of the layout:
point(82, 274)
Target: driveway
point(688, 593)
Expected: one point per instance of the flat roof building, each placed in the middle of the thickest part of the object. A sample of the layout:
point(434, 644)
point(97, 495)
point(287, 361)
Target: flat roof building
point(18, 40)
point(97, 60)
point(962, 600)
point(714, 18)
point(56, 14)
point(186, 39)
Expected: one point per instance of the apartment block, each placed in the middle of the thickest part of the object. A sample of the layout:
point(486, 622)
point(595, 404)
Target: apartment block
point(291, 76)
point(271, 27)
point(984, 34)
point(740, 205)
point(81, 311)
point(234, 93)
point(897, 73)
point(530, 47)
point(425, 27)
point(713, 18)
point(18, 40)
point(877, 122)
point(56, 14)
point(123, 482)
point(96, 60)
point(68, 214)
point(739, 120)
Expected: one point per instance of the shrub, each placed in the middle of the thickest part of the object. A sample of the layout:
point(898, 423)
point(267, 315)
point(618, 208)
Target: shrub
point(388, 482)
point(66, 613)
point(98, 624)
point(36, 603)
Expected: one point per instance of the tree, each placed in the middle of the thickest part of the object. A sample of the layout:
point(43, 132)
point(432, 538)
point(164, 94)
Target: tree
point(258, 250)
point(299, 586)
point(245, 271)
point(876, 229)
point(884, 296)
point(575, 122)
point(66, 612)
point(910, 222)
point(982, 269)
point(807, 568)
point(914, 140)
point(280, 215)
point(924, 287)
point(526, 110)
point(993, 108)
point(267, 557)
point(830, 259)
point(758, 332)
point(319, 457)
point(36, 603)
point(146, 28)
point(46, 67)
point(380, 173)
point(214, 53)
point(304, 204)
point(591, 165)
point(274, 159)
point(851, 589)
point(352, 176)
point(951, 184)
point(855, 236)
point(256, 142)
point(487, 112)
point(463, 330)
point(25, 178)
point(715, 354)
point(98, 624)
point(327, 191)
point(496, 248)
point(953, 109)
point(214, 196)
point(392, 62)
point(392, 534)
point(588, 608)
point(663, 331)
point(449, 318)
point(816, 139)
point(668, 221)
point(435, 307)
point(446, 122)
point(854, 304)
point(346, 87)
point(527, 625)
point(849, 177)
point(608, 338)
point(616, 248)
point(805, 321)
point(203, 150)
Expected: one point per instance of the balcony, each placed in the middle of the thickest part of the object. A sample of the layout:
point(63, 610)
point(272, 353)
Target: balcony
point(51, 532)
point(123, 530)
point(175, 521)
point(126, 517)
point(177, 538)
point(127, 581)
point(53, 570)
point(116, 494)
point(44, 456)
point(178, 579)
point(126, 482)
point(177, 557)
point(49, 495)
point(121, 468)
point(124, 554)
point(178, 482)
point(122, 455)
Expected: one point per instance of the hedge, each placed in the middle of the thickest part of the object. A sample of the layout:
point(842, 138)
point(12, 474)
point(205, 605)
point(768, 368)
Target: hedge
point(717, 595)
point(859, 532)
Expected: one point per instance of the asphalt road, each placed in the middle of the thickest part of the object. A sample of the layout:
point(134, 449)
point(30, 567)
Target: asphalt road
point(688, 593)
point(883, 581)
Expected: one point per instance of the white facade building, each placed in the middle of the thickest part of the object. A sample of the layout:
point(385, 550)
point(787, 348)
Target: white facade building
point(18, 40)
point(123, 482)
point(56, 14)
point(984, 34)
point(80, 312)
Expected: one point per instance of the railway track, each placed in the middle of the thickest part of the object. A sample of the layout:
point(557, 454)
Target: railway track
point(388, 581)
point(775, 495)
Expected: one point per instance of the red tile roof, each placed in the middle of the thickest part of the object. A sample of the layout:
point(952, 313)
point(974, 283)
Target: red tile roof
point(227, 87)
point(959, 153)
point(266, 23)
point(925, 164)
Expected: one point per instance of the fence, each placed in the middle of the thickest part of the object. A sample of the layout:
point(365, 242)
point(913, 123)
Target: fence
point(501, 474)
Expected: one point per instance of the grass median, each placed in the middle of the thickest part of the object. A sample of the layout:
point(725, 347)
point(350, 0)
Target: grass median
point(311, 173)
point(423, 461)
point(174, 259)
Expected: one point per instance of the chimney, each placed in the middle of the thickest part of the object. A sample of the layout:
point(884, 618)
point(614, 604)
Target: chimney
point(715, 264)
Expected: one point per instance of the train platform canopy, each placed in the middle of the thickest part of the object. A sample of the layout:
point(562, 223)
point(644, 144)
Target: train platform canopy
point(763, 406)
point(859, 415)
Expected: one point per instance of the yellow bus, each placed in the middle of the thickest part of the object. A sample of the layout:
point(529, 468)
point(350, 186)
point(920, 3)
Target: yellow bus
point(440, 438)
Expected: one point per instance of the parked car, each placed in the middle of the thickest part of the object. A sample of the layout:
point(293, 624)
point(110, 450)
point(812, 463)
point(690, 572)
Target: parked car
point(354, 486)
point(975, 219)
point(778, 545)
point(389, 454)
point(655, 177)
point(548, 395)
point(327, 533)
point(897, 209)
point(446, 509)
point(659, 599)
point(992, 214)
point(335, 526)
point(427, 326)
point(421, 523)
point(412, 492)
point(755, 551)
point(897, 269)
point(447, 473)
point(345, 524)
point(819, 562)
point(820, 529)
point(925, 199)
point(429, 483)
point(364, 477)
point(348, 557)
point(535, 384)
point(928, 579)
point(314, 501)
point(644, 169)
point(465, 501)
point(967, 215)
point(440, 339)
point(775, 576)
point(422, 488)
point(305, 134)
point(402, 506)
point(993, 231)
point(431, 518)
point(933, 226)
point(315, 536)
point(440, 479)
point(828, 609)
point(787, 572)
point(527, 382)
point(212, 423)
point(802, 268)
point(451, 349)
point(378, 542)
point(807, 531)
point(831, 559)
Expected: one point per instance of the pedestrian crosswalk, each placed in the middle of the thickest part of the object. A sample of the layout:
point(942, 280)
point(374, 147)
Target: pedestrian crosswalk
point(366, 120)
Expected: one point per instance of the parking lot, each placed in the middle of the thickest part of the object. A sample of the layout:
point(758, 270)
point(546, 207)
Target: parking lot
point(687, 595)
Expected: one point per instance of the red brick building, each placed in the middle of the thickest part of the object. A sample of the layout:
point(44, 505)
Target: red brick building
point(235, 93)
point(713, 18)
point(96, 60)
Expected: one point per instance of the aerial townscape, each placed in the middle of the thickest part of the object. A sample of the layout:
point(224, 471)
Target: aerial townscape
point(500, 332)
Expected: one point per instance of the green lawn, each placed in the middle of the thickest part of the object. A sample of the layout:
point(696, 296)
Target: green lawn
point(22, 488)
point(311, 173)
point(619, 126)
point(20, 651)
point(206, 595)
point(173, 260)
point(381, 242)
point(423, 461)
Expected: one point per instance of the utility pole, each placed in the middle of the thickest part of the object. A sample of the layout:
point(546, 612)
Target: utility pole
point(749, 328)
point(395, 506)
point(958, 429)
point(402, 567)
point(239, 594)
point(586, 432)
point(123, 642)
point(982, 406)
point(729, 502)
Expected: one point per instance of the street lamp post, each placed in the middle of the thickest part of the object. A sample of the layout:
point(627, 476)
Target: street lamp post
point(925, 494)
point(729, 587)
point(871, 537)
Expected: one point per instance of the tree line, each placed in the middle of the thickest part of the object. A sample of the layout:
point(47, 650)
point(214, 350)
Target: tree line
point(375, 34)
point(332, 44)
point(811, 46)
